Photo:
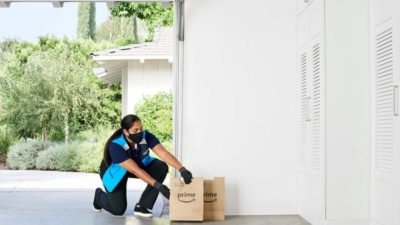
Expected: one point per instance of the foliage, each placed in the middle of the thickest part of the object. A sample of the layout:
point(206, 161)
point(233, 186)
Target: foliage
point(49, 159)
point(23, 155)
point(154, 14)
point(90, 151)
point(6, 140)
point(90, 155)
point(86, 20)
point(48, 90)
point(122, 29)
point(100, 134)
point(156, 114)
point(69, 159)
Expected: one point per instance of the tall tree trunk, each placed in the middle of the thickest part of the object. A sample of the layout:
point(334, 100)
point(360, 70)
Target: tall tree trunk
point(86, 28)
point(66, 128)
point(135, 29)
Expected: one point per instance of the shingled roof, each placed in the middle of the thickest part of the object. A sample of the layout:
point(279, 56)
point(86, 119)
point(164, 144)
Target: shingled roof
point(159, 48)
point(112, 61)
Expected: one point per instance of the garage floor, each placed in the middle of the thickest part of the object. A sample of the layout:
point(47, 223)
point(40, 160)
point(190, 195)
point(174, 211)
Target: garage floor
point(54, 198)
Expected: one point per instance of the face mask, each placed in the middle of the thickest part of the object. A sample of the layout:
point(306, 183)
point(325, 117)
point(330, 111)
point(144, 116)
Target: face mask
point(136, 137)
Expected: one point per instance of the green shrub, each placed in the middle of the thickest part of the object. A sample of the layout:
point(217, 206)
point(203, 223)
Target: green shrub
point(6, 140)
point(98, 135)
point(91, 147)
point(49, 159)
point(83, 154)
point(156, 114)
point(69, 159)
point(90, 155)
point(75, 156)
point(23, 154)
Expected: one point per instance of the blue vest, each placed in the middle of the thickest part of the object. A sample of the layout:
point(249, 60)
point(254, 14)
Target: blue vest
point(115, 173)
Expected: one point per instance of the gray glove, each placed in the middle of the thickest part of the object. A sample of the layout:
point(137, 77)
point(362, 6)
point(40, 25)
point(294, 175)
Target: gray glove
point(186, 175)
point(162, 188)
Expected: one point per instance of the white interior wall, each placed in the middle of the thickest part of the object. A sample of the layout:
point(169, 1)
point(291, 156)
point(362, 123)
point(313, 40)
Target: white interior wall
point(241, 101)
point(144, 79)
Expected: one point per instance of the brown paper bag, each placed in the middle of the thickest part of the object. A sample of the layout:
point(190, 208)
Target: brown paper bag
point(214, 199)
point(186, 200)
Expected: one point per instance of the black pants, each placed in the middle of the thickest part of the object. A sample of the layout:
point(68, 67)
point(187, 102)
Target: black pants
point(115, 202)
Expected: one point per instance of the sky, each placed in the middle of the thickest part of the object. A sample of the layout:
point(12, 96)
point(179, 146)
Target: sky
point(27, 21)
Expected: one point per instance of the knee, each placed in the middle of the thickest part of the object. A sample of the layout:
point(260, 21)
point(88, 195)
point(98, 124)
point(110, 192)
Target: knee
point(118, 211)
point(163, 168)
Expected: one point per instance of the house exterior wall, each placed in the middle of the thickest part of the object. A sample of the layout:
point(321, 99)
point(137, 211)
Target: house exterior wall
point(240, 107)
point(144, 79)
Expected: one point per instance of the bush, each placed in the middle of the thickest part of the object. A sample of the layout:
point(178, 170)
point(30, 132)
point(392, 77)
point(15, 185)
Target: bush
point(156, 115)
point(49, 159)
point(6, 140)
point(69, 159)
point(84, 154)
point(23, 155)
point(90, 149)
point(76, 156)
point(99, 135)
point(90, 155)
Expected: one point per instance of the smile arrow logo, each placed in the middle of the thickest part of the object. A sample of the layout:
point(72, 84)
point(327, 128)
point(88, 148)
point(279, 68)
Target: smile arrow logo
point(188, 201)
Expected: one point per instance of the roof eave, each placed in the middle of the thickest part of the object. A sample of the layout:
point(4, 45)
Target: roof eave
point(132, 57)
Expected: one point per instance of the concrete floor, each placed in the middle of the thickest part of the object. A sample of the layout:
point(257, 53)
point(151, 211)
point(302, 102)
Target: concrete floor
point(41, 198)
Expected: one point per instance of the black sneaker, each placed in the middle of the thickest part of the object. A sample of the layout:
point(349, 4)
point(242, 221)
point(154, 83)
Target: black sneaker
point(142, 211)
point(96, 195)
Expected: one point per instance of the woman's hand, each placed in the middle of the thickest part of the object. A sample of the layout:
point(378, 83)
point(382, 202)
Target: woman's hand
point(186, 175)
point(172, 161)
point(162, 188)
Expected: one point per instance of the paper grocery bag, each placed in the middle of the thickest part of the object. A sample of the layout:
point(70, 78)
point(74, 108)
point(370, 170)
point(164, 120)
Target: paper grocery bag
point(214, 199)
point(186, 200)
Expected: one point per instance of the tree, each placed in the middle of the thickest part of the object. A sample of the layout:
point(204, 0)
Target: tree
point(86, 20)
point(54, 92)
point(121, 30)
point(154, 14)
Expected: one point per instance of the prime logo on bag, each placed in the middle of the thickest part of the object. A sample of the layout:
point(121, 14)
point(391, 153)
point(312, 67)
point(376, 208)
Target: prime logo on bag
point(186, 200)
point(198, 201)
point(186, 197)
point(210, 197)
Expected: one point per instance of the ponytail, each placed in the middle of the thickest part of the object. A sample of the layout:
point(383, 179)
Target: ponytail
point(106, 156)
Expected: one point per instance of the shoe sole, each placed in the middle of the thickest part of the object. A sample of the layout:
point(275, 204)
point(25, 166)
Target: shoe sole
point(96, 210)
point(142, 214)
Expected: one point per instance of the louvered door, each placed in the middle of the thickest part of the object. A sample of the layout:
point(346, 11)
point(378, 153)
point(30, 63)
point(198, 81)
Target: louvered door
point(317, 108)
point(305, 135)
point(305, 112)
point(385, 165)
point(317, 148)
point(384, 81)
point(311, 61)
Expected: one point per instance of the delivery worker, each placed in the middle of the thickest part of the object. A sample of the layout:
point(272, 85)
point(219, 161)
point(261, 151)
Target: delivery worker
point(126, 154)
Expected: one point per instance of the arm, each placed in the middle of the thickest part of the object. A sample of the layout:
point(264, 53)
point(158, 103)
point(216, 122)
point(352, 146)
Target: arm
point(166, 156)
point(133, 168)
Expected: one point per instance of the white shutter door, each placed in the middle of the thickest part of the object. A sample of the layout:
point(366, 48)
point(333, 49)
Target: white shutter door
point(304, 154)
point(384, 133)
point(385, 166)
point(312, 147)
point(305, 113)
point(316, 108)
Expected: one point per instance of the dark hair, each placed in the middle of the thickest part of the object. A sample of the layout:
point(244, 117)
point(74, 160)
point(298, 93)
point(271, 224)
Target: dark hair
point(126, 123)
